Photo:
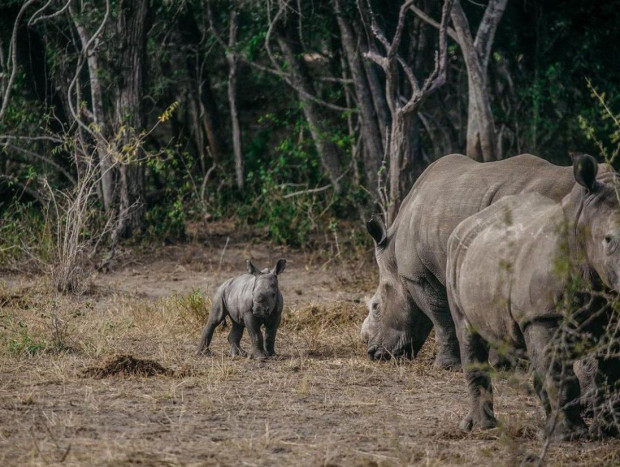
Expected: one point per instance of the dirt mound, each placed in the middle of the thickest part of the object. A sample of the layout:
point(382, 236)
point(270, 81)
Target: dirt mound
point(126, 365)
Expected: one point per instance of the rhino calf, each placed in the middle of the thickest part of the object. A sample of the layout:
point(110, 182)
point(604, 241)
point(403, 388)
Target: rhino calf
point(504, 286)
point(250, 300)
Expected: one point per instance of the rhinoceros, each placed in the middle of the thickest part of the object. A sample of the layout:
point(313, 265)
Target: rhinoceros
point(250, 300)
point(411, 296)
point(509, 269)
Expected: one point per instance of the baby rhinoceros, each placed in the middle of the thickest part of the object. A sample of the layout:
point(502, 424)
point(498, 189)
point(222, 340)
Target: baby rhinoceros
point(251, 300)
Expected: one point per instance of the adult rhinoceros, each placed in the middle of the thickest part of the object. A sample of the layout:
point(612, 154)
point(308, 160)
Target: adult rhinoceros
point(509, 268)
point(411, 254)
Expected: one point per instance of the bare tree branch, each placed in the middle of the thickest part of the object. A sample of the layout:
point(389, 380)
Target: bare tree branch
point(427, 19)
point(38, 15)
point(13, 54)
point(40, 157)
point(438, 76)
point(487, 28)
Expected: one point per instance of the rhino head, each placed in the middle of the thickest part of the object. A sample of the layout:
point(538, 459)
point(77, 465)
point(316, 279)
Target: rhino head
point(596, 204)
point(395, 326)
point(265, 290)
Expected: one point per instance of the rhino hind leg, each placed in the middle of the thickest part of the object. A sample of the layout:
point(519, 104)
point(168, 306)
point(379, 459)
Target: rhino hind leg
point(475, 355)
point(605, 403)
point(217, 315)
point(556, 384)
point(234, 339)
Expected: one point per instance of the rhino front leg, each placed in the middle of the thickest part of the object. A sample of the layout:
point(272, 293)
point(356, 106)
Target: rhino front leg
point(448, 354)
point(271, 329)
point(475, 355)
point(558, 386)
point(433, 301)
point(256, 335)
point(234, 339)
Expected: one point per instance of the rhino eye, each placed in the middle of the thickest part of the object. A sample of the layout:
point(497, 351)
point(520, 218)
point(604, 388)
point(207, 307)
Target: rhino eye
point(611, 243)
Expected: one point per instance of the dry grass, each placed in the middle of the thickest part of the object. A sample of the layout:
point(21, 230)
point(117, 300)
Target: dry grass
point(319, 402)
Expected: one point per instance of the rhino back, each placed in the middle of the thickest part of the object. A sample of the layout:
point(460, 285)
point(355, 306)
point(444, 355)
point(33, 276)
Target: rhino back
point(237, 295)
point(454, 188)
point(500, 266)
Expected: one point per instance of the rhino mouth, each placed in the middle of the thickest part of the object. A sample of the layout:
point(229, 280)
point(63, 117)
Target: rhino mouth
point(380, 353)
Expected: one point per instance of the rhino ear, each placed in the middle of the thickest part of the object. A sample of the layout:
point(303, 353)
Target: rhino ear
point(279, 267)
point(251, 268)
point(585, 169)
point(376, 229)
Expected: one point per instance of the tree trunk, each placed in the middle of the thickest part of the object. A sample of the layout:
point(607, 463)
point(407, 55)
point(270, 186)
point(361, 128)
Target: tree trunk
point(206, 117)
point(289, 42)
point(481, 134)
point(400, 149)
point(232, 100)
point(99, 120)
point(131, 30)
point(370, 130)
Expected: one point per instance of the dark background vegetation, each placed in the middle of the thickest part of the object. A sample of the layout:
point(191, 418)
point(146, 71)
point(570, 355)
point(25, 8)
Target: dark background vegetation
point(265, 125)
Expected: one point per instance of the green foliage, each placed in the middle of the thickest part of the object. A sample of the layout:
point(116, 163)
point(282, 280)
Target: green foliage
point(24, 235)
point(24, 342)
point(284, 177)
point(194, 306)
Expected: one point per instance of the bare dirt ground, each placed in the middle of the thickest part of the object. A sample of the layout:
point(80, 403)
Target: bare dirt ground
point(319, 402)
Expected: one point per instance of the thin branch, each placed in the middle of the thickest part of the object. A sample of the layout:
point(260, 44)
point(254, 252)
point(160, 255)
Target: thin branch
point(34, 19)
point(40, 157)
point(398, 35)
point(427, 19)
point(13, 54)
point(80, 64)
point(438, 77)
point(53, 139)
point(286, 78)
point(308, 191)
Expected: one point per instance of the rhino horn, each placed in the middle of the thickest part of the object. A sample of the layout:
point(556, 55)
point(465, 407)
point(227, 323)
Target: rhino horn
point(376, 229)
point(585, 169)
point(279, 266)
point(251, 268)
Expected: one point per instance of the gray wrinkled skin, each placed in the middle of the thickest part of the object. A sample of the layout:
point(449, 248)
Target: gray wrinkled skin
point(411, 296)
point(504, 285)
point(251, 300)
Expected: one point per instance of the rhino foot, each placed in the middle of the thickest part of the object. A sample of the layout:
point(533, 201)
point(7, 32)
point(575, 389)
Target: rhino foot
point(204, 352)
point(238, 352)
point(566, 430)
point(602, 430)
point(449, 363)
point(477, 420)
point(258, 355)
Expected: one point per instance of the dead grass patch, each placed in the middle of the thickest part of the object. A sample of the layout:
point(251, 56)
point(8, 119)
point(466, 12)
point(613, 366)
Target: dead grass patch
point(319, 402)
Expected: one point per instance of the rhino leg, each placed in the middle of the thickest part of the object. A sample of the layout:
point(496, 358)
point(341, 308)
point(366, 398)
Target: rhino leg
point(217, 315)
point(475, 355)
point(234, 339)
point(256, 335)
point(539, 387)
point(604, 400)
point(558, 386)
point(433, 301)
point(271, 329)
